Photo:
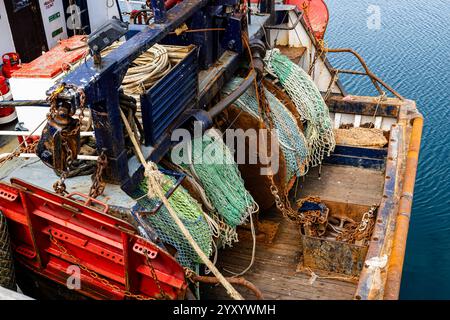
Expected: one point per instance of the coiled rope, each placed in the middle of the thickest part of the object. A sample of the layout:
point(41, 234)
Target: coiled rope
point(149, 67)
point(309, 102)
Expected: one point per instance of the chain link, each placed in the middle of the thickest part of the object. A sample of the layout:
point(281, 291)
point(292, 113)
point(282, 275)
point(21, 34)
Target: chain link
point(29, 148)
point(59, 186)
point(98, 185)
point(155, 278)
point(359, 232)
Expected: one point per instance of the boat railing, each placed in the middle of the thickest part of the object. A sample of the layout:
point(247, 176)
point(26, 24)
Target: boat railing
point(376, 81)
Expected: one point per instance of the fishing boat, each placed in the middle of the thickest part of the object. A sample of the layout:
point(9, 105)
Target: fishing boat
point(197, 149)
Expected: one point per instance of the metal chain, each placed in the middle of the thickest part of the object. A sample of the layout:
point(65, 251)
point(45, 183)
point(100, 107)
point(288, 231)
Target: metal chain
point(98, 185)
point(30, 148)
point(95, 275)
point(282, 204)
point(189, 274)
point(59, 186)
point(362, 231)
point(155, 278)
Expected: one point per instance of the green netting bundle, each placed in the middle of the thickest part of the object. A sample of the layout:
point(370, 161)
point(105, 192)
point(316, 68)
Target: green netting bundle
point(291, 139)
point(309, 102)
point(190, 213)
point(213, 165)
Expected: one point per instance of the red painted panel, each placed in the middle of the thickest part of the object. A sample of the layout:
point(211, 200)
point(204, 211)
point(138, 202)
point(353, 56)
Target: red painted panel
point(87, 237)
point(53, 62)
point(316, 15)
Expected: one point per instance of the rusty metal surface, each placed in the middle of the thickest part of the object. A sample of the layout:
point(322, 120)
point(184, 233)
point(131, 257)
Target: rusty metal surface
point(396, 259)
point(368, 106)
point(266, 231)
point(372, 280)
point(293, 53)
point(375, 80)
point(333, 256)
point(327, 254)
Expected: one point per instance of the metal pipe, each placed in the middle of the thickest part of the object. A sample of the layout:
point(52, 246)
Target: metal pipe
point(29, 133)
point(120, 10)
point(397, 257)
point(24, 103)
point(359, 73)
point(375, 80)
point(33, 155)
point(232, 97)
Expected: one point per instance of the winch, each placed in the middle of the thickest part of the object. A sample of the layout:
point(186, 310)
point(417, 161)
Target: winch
point(60, 141)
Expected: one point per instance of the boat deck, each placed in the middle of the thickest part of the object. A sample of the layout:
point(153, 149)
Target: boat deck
point(275, 269)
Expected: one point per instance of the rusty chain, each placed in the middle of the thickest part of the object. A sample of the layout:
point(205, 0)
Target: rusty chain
point(96, 276)
point(29, 148)
point(98, 184)
point(155, 278)
point(282, 204)
point(359, 232)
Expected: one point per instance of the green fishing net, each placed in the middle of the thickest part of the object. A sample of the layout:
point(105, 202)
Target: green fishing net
point(213, 165)
point(309, 102)
point(190, 213)
point(291, 139)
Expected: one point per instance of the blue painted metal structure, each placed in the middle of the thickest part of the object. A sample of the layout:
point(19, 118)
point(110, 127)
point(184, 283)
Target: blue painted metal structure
point(163, 103)
point(173, 101)
point(369, 158)
point(101, 85)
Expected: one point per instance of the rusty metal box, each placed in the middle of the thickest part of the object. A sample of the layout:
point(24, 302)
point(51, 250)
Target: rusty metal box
point(325, 254)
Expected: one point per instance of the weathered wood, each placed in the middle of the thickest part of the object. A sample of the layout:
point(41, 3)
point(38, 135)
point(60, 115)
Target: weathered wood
point(275, 268)
point(368, 106)
point(344, 184)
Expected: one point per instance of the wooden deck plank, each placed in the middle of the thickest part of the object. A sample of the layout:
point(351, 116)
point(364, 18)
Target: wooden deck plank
point(274, 271)
point(344, 184)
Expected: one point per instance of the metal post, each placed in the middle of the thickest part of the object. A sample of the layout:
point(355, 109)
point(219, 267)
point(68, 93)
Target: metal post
point(159, 10)
point(268, 6)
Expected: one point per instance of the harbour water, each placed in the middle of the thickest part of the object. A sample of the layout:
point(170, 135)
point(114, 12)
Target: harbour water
point(410, 50)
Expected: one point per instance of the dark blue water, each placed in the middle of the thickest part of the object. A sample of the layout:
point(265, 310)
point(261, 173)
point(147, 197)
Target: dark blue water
point(411, 51)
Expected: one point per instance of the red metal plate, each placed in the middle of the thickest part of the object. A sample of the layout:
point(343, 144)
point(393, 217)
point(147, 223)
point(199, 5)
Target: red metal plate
point(52, 233)
point(53, 62)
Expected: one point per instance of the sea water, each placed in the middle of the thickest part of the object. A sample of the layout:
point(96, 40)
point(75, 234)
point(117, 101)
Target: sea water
point(407, 44)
